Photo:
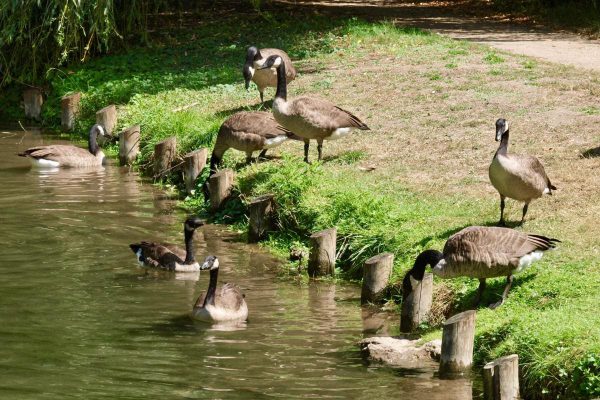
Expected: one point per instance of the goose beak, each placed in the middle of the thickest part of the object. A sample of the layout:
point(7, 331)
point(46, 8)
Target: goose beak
point(205, 265)
point(499, 132)
point(247, 84)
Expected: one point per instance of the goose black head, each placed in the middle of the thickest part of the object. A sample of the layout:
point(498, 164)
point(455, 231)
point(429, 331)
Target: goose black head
point(252, 55)
point(191, 223)
point(501, 128)
point(272, 62)
point(211, 262)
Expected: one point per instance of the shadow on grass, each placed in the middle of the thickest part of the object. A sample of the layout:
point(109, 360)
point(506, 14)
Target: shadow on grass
point(591, 153)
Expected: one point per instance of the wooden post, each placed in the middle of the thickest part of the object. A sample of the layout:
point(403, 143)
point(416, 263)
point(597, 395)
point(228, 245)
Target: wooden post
point(416, 306)
point(457, 343)
point(164, 154)
point(321, 259)
point(260, 212)
point(376, 274)
point(501, 379)
point(129, 144)
point(107, 117)
point(220, 185)
point(194, 164)
point(32, 101)
point(69, 106)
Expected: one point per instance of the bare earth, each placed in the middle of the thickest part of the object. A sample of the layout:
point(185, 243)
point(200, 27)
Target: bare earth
point(448, 18)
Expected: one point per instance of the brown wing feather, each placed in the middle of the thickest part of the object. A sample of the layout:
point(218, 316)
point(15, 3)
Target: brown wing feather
point(228, 296)
point(324, 114)
point(258, 122)
point(532, 171)
point(164, 256)
point(491, 251)
point(55, 152)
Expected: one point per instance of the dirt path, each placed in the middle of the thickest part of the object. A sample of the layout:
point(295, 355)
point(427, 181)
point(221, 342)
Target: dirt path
point(448, 18)
point(563, 48)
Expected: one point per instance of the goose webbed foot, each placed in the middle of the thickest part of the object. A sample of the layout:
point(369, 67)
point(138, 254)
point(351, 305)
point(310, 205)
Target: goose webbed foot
point(501, 223)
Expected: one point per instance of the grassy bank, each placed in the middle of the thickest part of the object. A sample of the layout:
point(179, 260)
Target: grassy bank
point(431, 103)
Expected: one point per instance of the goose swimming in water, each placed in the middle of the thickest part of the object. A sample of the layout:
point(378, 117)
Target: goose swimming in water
point(222, 304)
point(170, 257)
point(61, 155)
point(481, 252)
point(309, 117)
point(519, 177)
point(264, 78)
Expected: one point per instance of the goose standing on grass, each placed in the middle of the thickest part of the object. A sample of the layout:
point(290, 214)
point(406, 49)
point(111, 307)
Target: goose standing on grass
point(309, 117)
point(518, 177)
point(65, 155)
point(170, 257)
point(481, 252)
point(248, 132)
point(264, 78)
point(225, 303)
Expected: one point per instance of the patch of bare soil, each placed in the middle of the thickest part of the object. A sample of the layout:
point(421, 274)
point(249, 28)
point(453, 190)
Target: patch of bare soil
point(474, 21)
point(432, 110)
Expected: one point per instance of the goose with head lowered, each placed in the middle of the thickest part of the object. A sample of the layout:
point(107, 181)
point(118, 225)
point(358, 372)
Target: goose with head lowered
point(309, 117)
point(481, 252)
point(519, 177)
point(248, 132)
point(222, 304)
point(264, 78)
point(170, 257)
point(61, 155)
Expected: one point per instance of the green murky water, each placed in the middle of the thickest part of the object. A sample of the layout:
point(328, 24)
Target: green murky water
point(80, 319)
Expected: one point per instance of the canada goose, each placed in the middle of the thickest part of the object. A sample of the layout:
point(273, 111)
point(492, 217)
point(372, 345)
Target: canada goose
point(265, 77)
point(170, 257)
point(308, 117)
point(225, 304)
point(61, 155)
point(248, 132)
point(481, 252)
point(518, 177)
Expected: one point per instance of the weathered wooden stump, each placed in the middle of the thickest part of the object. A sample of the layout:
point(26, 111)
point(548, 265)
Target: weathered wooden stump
point(129, 144)
point(220, 185)
point(32, 101)
point(501, 379)
point(69, 107)
point(107, 117)
point(416, 306)
point(457, 343)
point(194, 164)
point(260, 212)
point(164, 154)
point(321, 259)
point(376, 274)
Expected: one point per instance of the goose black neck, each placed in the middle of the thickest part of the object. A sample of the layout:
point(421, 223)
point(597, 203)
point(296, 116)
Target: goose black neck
point(214, 163)
point(281, 92)
point(92, 142)
point(212, 287)
point(503, 148)
point(428, 257)
point(189, 246)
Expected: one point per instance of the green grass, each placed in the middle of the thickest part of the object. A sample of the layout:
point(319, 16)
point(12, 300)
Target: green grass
point(550, 319)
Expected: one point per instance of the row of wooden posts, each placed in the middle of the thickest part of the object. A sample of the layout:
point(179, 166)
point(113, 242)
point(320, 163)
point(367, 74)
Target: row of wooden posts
point(501, 376)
